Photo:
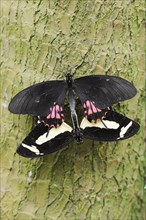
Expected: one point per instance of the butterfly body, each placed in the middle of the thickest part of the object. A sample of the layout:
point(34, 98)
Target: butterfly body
point(46, 102)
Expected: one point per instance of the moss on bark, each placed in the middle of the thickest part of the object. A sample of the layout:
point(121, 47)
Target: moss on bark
point(39, 40)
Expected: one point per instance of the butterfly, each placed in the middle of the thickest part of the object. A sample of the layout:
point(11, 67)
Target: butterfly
point(45, 102)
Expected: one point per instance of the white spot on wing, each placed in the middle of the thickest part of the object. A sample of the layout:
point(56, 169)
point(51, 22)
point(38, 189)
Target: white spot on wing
point(53, 133)
point(37, 100)
point(32, 148)
point(124, 130)
point(109, 124)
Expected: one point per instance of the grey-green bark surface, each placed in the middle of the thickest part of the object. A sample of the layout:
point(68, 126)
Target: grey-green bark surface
point(40, 38)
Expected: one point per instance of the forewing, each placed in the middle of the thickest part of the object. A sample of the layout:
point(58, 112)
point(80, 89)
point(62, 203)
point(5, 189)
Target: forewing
point(114, 127)
point(41, 142)
point(102, 90)
point(37, 99)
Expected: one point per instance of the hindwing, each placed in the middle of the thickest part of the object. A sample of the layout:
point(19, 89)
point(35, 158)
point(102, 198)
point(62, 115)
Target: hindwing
point(43, 140)
point(113, 127)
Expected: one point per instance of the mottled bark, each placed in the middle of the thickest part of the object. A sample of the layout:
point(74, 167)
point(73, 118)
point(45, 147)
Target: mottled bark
point(40, 38)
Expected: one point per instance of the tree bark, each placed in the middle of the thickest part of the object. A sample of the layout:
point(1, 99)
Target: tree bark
point(40, 39)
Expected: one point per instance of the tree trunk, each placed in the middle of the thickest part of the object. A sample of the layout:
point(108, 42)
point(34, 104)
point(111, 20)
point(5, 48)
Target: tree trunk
point(40, 39)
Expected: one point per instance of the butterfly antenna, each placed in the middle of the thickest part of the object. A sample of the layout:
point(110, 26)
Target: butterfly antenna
point(103, 123)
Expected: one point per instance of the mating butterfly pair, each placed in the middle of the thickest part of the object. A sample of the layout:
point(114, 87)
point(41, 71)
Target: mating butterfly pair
point(46, 101)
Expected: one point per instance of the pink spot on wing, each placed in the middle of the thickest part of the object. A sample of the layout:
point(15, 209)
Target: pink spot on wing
point(53, 113)
point(93, 108)
point(88, 104)
point(57, 108)
point(58, 116)
point(89, 112)
point(48, 116)
point(89, 108)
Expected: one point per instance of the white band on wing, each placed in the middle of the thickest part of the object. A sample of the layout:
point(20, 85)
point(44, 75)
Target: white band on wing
point(32, 148)
point(53, 133)
point(109, 124)
point(124, 130)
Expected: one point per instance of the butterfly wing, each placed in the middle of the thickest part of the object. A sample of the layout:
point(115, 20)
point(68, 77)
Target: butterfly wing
point(113, 127)
point(41, 142)
point(102, 90)
point(37, 99)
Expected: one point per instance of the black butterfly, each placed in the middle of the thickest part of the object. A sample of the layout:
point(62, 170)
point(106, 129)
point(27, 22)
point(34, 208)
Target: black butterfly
point(46, 101)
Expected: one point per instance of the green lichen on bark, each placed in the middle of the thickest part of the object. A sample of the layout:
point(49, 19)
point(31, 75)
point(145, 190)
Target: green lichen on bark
point(39, 40)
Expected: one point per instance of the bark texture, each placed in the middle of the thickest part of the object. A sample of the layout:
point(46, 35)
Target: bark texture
point(40, 39)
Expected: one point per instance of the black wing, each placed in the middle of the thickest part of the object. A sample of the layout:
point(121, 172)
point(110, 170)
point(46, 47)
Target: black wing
point(37, 99)
point(41, 142)
point(113, 127)
point(103, 90)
